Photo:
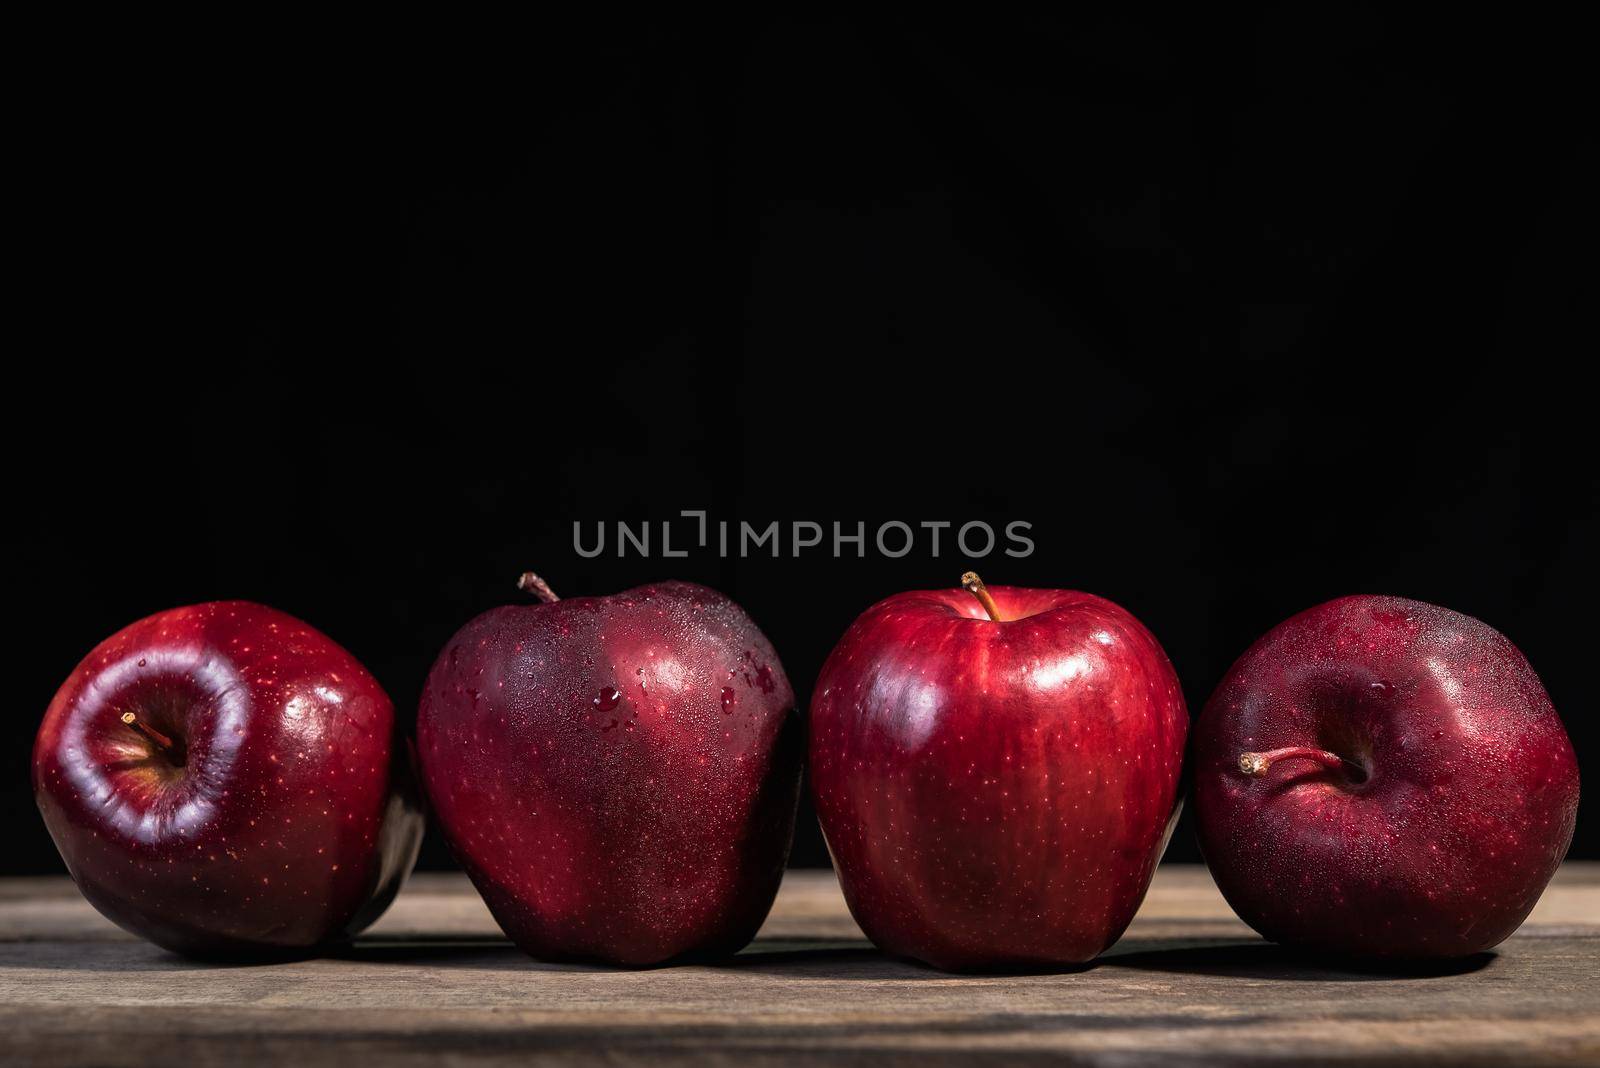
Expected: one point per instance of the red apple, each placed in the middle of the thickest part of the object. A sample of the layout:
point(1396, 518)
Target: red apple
point(618, 775)
point(222, 779)
point(996, 772)
point(1383, 777)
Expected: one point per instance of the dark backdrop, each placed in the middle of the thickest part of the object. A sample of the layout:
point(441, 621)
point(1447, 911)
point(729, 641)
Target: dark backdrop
point(1241, 314)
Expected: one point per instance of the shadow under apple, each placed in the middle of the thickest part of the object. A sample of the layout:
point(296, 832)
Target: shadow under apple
point(1267, 960)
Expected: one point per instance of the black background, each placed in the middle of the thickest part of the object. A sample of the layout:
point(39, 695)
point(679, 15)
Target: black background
point(1241, 313)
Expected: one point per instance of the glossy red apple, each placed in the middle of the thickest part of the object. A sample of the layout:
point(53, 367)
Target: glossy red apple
point(1383, 777)
point(996, 772)
point(618, 775)
point(224, 780)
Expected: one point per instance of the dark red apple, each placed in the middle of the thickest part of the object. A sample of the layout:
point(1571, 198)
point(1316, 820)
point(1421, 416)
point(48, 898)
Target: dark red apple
point(618, 775)
point(1383, 777)
point(224, 780)
point(996, 772)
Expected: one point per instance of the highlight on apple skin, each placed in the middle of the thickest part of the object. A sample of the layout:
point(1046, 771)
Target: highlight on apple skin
point(618, 775)
point(223, 780)
point(997, 771)
point(1382, 777)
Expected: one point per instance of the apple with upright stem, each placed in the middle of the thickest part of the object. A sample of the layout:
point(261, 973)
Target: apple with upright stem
point(1383, 777)
point(223, 780)
point(996, 771)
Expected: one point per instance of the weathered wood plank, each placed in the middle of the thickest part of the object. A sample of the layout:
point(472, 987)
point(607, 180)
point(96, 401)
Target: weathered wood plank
point(1189, 984)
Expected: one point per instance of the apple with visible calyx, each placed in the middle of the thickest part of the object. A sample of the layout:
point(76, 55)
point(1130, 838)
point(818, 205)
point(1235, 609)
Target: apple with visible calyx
point(224, 780)
point(1383, 777)
point(996, 771)
point(618, 775)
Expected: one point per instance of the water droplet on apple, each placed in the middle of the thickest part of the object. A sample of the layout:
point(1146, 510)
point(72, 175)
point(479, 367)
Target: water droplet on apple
point(606, 699)
point(729, 699)
point(764, 679)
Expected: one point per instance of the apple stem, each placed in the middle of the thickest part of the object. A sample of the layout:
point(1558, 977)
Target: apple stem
point(531, 583)
point(1256, 764)
point(162, 742)
point(975, 586)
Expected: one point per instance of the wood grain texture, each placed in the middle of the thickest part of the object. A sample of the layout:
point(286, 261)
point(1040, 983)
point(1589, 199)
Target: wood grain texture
point(435, 982)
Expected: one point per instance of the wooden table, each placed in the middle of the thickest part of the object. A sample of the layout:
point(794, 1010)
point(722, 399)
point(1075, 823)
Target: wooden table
point(434, 980)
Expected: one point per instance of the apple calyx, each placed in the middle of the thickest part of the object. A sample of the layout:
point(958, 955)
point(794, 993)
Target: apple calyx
point(974, 585)
point(163, 744)
point(1256, 764)
point(528, 582)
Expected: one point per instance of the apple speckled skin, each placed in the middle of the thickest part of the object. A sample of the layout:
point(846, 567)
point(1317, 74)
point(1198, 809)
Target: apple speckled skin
point(282, 819)
point(618, 775)
point(996, 793)
point(1452, 804)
